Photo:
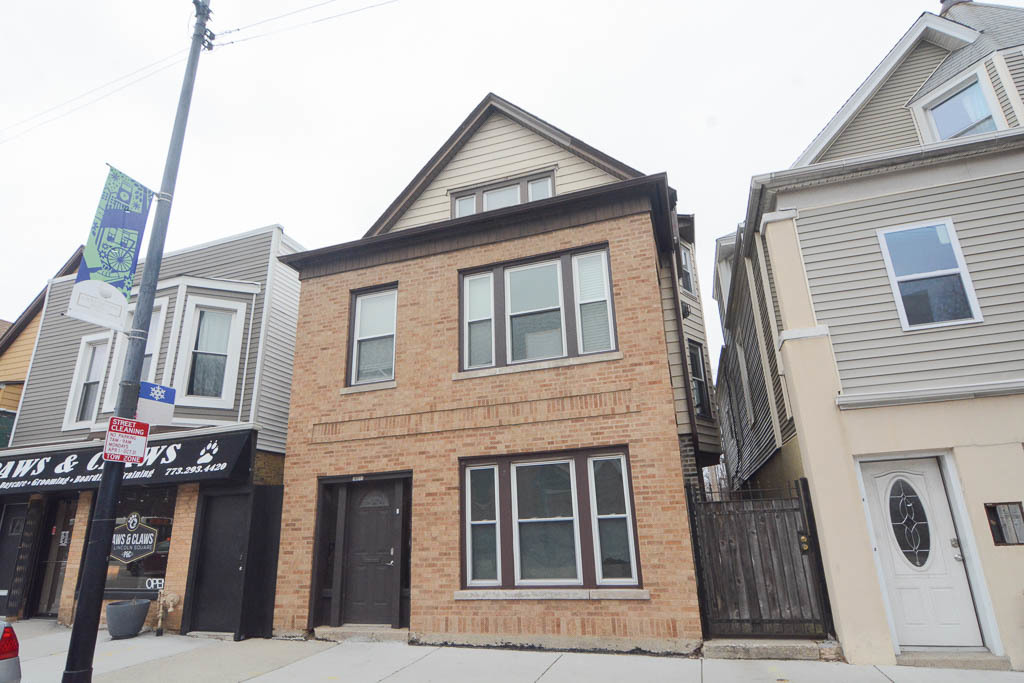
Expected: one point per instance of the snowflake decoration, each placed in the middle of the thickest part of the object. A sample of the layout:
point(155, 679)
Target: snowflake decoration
point(157, 393)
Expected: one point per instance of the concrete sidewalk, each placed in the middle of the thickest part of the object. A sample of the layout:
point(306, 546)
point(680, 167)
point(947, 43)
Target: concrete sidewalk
point(198, 660)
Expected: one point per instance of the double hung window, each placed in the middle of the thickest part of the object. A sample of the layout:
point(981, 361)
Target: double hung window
point(698, 377)
point(210, 353)
point(686, 268)
point(154, 338)
point(928, 275)
point(538, 311)
point(95, 364)
point(373, 337)
point(552, 532)
point(964, 113)
point(502, 194)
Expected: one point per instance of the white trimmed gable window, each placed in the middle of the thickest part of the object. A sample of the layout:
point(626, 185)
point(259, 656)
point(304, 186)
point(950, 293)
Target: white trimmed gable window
point(209, 352)
point(501, 194)
point(966, 112)
point(90, 369)
point(928, 275)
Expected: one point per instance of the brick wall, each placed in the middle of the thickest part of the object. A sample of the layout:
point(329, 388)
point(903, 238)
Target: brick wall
point(429, 420)
point(267, 468)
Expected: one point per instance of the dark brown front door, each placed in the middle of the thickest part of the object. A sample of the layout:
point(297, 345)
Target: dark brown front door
point(373, 552)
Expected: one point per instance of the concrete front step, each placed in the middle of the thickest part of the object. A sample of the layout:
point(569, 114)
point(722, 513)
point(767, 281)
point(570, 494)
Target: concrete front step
point(952, 659)
point(366, 633)
point(755, 648)
point(212, 635)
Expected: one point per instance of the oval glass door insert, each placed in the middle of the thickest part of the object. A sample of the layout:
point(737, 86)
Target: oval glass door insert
point(909, 522)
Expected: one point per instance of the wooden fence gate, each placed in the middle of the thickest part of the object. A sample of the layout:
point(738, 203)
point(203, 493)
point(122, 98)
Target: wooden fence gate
point(758, 567)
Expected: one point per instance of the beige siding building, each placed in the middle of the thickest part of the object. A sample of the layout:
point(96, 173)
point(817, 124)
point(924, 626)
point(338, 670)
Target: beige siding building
point(873, 306)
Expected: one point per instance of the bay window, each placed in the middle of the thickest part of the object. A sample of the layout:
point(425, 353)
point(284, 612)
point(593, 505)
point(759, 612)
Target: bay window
point(562, 520)
point(552, 307)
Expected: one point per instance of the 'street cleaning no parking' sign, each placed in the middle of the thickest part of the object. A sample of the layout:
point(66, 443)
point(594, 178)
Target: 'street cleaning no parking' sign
point(126, 441)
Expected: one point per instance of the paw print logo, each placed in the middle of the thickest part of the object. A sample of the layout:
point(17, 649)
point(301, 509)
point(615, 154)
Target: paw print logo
point(206, 455)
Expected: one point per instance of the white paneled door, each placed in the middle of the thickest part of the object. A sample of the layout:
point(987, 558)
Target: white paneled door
point(921, 558)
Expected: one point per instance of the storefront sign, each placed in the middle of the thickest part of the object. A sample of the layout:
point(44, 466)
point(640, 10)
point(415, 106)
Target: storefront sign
point(126, 441)
point(166, 461)
point(132, 540)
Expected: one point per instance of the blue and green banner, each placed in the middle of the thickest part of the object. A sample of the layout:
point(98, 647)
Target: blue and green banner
point(111, 254)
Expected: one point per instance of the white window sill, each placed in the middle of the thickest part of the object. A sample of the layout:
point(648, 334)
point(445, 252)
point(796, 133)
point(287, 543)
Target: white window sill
point(373, 386)
point(539, 365)
point(554, 594)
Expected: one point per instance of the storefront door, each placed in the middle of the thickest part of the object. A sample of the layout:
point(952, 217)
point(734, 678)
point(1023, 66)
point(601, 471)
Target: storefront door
point(54, 558)
point(373, 552)
point(217, 601)
point(12, 524)
point(922, 562)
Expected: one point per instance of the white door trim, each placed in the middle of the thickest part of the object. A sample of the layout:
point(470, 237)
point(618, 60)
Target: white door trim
point(968, 545)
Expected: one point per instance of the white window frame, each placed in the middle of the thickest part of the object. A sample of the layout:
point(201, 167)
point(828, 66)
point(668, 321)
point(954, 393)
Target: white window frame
point(741, 358)
point(356, 338)
point(467, 320)
point(470, 581)
point(508, 311)
point(160, 308)
point(578, 581)
point(456, 206)
point(686, 258)
point(551, 187)
point(579, 301)
point(961, 270)
point(628, 516)
point(519, 195)
point(189, 329)
point(922, 110)
point(71, 420)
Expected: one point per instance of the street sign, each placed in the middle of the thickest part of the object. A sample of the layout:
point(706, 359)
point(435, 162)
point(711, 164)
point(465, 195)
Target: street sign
point(132, 540)
point(126, 441)
point(156, 404)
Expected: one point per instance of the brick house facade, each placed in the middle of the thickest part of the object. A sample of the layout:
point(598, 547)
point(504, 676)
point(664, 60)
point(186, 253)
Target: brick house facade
point(601, 567)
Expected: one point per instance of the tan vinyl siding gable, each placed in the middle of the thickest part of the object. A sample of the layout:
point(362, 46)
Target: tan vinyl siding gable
point(885, 122)
point(15, 360)
point(500, 148)
point(1001, 94)
point(675, 349)
point(852, 295)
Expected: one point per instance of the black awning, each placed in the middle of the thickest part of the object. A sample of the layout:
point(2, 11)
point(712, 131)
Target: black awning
point(168, 461)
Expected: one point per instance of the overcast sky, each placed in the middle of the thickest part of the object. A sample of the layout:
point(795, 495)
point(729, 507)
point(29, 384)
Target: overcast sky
point(318, 128)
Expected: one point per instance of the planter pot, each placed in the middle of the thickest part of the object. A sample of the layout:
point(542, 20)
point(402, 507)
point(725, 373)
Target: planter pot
point(126, 617)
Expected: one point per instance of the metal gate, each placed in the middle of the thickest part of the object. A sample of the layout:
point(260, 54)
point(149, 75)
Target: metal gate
point(758, 566)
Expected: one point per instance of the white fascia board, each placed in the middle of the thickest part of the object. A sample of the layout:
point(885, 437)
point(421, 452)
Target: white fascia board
point(930, 395)
point(946, 33)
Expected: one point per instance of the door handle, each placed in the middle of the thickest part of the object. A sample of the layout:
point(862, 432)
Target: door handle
point(389, 564)
point(958, 557)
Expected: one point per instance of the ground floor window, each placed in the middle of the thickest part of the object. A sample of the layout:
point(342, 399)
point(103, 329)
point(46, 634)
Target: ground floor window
point(561, 520)
point(138, 510)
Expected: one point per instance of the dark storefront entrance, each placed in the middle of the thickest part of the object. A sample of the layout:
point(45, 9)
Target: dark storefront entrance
point(362, 553)
point(237, 524)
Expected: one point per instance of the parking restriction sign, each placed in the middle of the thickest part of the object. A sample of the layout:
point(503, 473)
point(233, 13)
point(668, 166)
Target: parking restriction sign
point(126, 440)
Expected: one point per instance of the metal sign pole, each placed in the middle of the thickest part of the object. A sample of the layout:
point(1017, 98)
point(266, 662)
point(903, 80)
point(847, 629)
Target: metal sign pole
point(94, 574)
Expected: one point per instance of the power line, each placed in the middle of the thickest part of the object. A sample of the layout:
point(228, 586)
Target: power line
point(89, 92)
point(308, 23)
point(279, 16)
point(90, 102)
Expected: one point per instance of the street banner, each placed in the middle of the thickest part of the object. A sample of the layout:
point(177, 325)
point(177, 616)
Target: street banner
point(104, 283)
point(156, 404)
point(126, 441)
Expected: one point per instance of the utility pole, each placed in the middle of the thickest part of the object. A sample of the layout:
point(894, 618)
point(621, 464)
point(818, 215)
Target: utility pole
point(78, 668)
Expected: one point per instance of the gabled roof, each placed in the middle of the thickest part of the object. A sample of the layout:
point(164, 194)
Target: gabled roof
point(12, 332)
point(489, 105)
point(998, 26)
point(943, 32)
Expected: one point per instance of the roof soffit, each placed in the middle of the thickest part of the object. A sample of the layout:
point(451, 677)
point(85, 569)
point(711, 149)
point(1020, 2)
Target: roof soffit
point(943, 32)
point(489, 105)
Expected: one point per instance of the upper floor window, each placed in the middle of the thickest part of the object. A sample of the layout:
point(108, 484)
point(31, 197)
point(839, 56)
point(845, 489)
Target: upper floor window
point(502, 194)
point(209, 353)
point(928, 275)
point(686, 268)
point(698, 377)
point(558, 535)
point(546, 314)
point(149, 357)
point(90, 369)
point(373, 337)
point(964, 113)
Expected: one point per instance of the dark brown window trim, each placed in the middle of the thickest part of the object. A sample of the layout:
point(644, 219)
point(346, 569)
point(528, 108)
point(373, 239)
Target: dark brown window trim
point(522, 181)
point(506, 557)
point(497, 271)
point(703, 405)
point(350, 338)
